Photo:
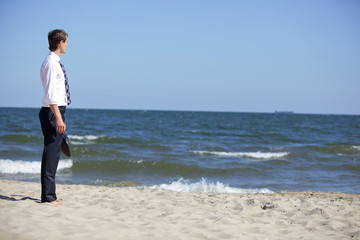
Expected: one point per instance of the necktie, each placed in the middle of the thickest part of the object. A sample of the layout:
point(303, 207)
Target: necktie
point(66, 85)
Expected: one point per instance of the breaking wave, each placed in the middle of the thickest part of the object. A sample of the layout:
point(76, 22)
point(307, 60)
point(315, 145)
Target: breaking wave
point(18, 166)
point(256, 155)
point(203, 186)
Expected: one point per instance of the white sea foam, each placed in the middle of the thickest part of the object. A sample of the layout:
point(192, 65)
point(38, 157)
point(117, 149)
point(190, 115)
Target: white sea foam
point(257, 155)
point(194, 131)
point(356, 147)
point(82, 138)
point(203, 186)
point(79, 143)
point(18, 166)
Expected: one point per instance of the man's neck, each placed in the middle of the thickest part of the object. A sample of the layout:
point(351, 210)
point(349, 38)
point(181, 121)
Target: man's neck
point(57, 52)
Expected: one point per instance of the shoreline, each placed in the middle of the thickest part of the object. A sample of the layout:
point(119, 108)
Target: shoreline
point(100, 212)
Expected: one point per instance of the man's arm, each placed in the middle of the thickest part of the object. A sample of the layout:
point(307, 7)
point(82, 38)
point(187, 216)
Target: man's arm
point(60, 125)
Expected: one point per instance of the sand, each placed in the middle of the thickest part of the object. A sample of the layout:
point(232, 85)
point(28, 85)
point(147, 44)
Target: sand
point(99, 212)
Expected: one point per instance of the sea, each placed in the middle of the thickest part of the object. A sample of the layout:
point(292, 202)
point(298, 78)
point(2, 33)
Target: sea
point(190, 151)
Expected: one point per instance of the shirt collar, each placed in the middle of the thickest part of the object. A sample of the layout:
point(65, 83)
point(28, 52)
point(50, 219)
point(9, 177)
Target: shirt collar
point(56, 57)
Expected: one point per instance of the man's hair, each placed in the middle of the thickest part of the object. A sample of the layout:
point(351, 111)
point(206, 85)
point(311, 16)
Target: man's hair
point(55, 37)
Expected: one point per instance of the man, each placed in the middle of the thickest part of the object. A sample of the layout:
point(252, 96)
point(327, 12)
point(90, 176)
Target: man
point(52, 114)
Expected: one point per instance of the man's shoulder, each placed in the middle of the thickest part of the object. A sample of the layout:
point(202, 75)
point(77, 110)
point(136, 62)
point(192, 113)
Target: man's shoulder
point(49, 61)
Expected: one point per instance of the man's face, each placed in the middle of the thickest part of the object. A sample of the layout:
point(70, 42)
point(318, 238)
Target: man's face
point(63, 46)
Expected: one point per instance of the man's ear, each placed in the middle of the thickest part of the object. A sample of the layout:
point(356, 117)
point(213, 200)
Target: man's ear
point(60, 43)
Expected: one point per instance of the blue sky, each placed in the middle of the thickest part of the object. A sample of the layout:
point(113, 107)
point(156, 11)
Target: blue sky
point(209, 55)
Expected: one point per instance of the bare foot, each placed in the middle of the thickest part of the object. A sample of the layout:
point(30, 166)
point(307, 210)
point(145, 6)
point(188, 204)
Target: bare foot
point(55, 202)
point(58, 200)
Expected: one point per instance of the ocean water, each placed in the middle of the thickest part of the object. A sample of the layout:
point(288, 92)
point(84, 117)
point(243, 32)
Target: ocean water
point(191, 151)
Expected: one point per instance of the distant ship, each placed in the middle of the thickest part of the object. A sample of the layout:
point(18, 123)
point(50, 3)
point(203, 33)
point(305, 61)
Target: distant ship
point(283, 112)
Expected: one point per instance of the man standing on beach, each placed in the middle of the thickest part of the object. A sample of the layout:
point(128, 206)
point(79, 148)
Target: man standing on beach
point(52, 114)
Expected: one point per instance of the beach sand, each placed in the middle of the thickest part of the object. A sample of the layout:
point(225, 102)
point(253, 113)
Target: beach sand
point(99, 212)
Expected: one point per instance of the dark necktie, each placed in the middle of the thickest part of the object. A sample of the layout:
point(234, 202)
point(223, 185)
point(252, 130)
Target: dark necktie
point(66, 84)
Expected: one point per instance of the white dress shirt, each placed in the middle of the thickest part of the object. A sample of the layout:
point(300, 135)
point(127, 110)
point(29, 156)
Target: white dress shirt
point(53, 81)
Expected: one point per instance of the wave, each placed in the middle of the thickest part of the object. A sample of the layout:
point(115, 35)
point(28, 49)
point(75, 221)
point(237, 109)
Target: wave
point(103, 139)
point(86, 137)
point(161, 168)
point(8, 166)
point(203, 186)
point(356, 147)
point(83, 140)
point(18, 138)
point(256, 155)
point(337, 148)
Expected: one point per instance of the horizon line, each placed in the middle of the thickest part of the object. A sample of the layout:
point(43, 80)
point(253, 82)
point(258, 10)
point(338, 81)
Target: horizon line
point(276, 111)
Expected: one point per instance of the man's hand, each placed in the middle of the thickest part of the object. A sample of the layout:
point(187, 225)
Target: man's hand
point(60, 125)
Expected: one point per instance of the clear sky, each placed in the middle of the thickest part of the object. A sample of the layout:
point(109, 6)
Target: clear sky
point(209, 55)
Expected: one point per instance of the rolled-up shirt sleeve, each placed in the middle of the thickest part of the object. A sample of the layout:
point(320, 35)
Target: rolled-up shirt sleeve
point(48, 73)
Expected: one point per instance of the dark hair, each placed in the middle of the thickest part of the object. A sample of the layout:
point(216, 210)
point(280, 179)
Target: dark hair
point(55, 37)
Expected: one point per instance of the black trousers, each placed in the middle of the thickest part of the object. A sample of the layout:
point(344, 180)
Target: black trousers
point(51, 153)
